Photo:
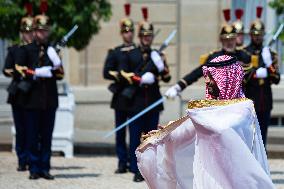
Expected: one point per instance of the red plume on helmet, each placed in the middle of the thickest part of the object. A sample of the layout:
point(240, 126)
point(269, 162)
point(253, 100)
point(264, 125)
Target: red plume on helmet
point(259, 11)
point(29, 8)
point(127, 9)
point(43, 6)
point(239, 13)
point(227, 14)
point(145, 13)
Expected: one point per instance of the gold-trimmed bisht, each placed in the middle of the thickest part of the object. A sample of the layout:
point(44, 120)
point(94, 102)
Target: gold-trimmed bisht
point(151, 138)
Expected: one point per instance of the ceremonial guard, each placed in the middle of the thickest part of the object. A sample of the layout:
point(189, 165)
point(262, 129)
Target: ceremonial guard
point(228, 35)
point(110, 72)
point(239, 25)
point(17, 104)
point(143, 68)
point(261, 74)
point(40, 66)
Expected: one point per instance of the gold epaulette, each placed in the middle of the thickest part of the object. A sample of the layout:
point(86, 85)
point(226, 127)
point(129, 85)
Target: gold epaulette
point(203, 58)
point(254, 61)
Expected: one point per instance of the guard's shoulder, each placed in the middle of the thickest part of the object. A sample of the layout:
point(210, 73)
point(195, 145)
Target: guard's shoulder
point(127, 48)
point(214, 52)
point(115, 48)
point(110, 50)
point(203, 58)
point(29, 46)
point(240, 47)
point(246, 49)
point(13, 47)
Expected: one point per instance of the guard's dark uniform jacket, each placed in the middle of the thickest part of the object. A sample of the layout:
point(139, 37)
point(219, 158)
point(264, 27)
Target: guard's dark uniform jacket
point(15, 97)
point(111, 72)
point(132, 67)
point(259, 90)
point(197, 73)
point(8, 69)
point(39, 93)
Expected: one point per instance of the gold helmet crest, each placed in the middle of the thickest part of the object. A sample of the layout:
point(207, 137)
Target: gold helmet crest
point(145, 27)
point(26, 24)
point(257, 27)
point(227, 30)
point(41, 21)
point(238, 24)
point(126, 24)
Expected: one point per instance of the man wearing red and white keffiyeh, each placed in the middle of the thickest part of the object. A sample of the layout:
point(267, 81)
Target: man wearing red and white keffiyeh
point(218, 144)
point(223, 77)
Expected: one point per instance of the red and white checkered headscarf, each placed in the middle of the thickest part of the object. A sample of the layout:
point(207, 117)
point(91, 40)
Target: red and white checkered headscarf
point(228, 78)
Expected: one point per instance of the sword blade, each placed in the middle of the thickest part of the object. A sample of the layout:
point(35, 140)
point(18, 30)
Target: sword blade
point(155, 104)
point(171, 36)
point(168, 40)
point(278, 31)
point(276, 35)
point(71, 32)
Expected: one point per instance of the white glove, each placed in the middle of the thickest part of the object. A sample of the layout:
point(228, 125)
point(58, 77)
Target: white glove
point(157, 59)
point(147, 78)
point(53, 56)
point(43, 72)
point(266, 56)
point(261, 73)
point(173, 91)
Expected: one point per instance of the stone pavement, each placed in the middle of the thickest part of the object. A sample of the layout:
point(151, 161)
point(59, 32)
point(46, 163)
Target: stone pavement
point(86, 172)
point(81, 172)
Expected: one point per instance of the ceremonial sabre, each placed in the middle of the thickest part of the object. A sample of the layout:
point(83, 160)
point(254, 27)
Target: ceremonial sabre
point(168, 40)
point(152, 106)
point(65, 38)
point(276, 35)
point(160, 101)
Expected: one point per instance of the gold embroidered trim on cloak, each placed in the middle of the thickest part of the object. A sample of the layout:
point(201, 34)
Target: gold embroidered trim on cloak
point(209, 103)
point(160, 134)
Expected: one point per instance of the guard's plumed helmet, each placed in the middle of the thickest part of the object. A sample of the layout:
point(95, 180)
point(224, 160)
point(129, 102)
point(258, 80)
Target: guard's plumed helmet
point(227, 30)
point(238, 24)
point(257, 26)
point(26, 24)
point(126, 24)
point(145, 27)
point(41, 21)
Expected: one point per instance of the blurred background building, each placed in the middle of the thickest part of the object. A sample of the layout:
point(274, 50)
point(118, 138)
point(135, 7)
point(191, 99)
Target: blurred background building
point(197, 22)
